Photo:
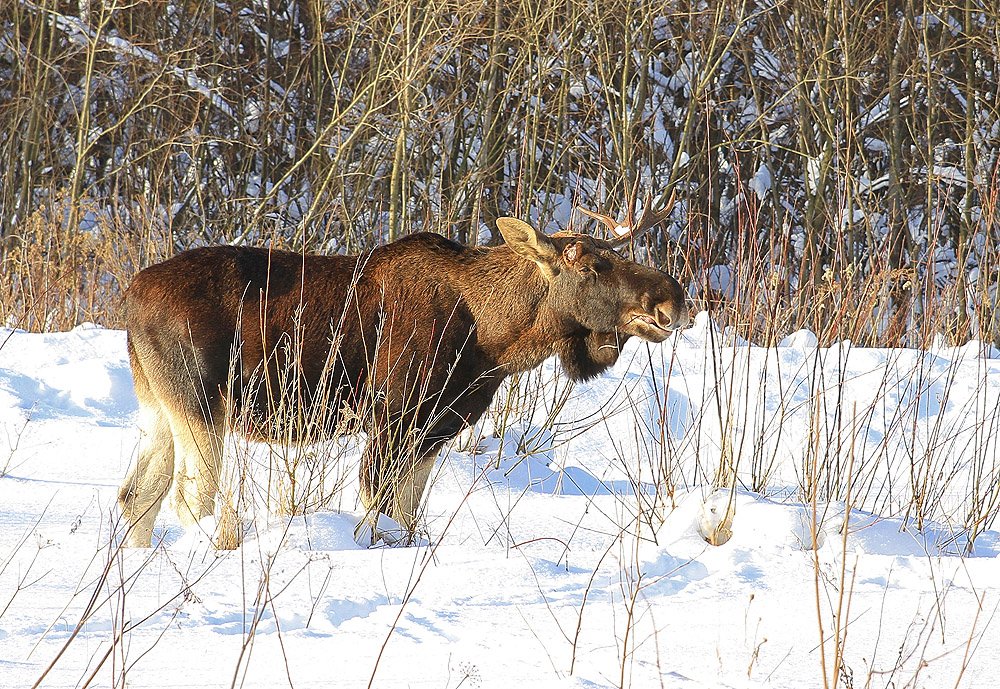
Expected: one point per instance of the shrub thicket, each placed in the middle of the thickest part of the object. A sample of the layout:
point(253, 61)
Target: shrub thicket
point(835, 162)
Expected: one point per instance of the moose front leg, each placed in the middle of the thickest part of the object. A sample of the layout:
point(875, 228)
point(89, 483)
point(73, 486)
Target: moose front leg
point(395, 470)
point(410, 489)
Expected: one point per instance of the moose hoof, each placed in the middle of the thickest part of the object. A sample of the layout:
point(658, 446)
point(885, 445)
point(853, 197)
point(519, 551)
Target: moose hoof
point(134, 539)
point(385, 532)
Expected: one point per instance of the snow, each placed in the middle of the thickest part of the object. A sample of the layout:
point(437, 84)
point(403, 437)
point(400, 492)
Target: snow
point(565, 541)
point(760, 183)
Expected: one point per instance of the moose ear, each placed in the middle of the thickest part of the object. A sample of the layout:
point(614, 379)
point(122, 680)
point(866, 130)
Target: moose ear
point(573, 252)
point(531, 244)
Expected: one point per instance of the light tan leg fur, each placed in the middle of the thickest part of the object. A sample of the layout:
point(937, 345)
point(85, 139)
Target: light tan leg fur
point(198, 444)
point(149, 479)
point(409, 491)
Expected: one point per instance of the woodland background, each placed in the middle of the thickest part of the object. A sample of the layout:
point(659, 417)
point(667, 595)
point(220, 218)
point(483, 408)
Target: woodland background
point(834, 163)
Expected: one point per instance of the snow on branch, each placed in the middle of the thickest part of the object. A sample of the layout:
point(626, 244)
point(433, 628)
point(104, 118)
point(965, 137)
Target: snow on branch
point(81, 33)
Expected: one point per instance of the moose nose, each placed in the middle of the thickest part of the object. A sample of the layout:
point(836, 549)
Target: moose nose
point(672, 316)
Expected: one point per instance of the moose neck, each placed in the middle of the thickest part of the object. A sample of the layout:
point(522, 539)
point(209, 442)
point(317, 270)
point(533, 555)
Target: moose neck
point(508, 297)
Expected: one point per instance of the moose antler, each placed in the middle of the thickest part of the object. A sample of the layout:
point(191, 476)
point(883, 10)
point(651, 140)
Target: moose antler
point(631, 229)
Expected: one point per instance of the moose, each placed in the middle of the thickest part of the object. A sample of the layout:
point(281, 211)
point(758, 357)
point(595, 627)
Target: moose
point(413, 337)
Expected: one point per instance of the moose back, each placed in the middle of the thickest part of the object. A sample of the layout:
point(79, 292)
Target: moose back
point(413, 338)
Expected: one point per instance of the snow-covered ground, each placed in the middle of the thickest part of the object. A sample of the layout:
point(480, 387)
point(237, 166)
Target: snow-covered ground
point(565, 541)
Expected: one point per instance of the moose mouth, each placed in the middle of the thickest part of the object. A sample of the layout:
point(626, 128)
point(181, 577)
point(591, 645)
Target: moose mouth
point(648, 328)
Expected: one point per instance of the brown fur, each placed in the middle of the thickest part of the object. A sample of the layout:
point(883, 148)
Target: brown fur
point(414, 337)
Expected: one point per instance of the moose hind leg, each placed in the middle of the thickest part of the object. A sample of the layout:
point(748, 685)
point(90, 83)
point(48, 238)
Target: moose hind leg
point(198, 440)
point(148, 480)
